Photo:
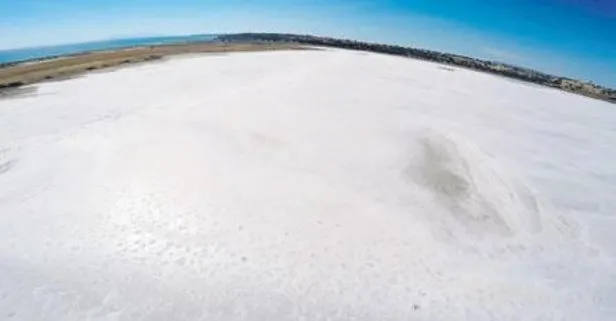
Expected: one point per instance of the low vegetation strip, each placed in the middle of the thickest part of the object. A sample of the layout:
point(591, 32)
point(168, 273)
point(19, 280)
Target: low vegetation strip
point(15, 75)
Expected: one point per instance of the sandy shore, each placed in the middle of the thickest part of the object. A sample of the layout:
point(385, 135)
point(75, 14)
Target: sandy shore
point(14, 77)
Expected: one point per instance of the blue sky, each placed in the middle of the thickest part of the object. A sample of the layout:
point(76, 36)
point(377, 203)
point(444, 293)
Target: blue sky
point(575, 38)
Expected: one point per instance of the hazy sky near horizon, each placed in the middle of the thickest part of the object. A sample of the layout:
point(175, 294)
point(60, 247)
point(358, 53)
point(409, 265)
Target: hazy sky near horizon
point(575, 38)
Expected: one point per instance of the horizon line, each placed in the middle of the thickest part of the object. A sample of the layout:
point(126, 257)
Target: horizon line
point(150, 36)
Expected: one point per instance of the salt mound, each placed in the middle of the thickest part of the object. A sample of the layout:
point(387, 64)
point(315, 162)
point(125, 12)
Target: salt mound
point(479, 200)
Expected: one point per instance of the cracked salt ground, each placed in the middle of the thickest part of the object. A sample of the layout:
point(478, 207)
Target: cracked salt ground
point(317, 185)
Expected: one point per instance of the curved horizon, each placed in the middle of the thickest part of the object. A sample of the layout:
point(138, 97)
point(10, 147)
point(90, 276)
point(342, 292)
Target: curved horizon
point(572, 38)
point(18, 55)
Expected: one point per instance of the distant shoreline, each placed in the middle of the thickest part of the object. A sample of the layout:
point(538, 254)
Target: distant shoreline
point(17, 55)
point(14, 75)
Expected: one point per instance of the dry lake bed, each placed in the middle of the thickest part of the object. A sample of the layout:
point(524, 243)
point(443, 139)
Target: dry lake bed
point(305, 185)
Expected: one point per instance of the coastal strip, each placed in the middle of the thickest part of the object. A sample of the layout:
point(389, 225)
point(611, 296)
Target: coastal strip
point(16, 75)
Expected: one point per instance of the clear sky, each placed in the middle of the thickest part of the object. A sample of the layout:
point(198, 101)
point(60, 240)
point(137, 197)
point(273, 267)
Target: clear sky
point(575, 38)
